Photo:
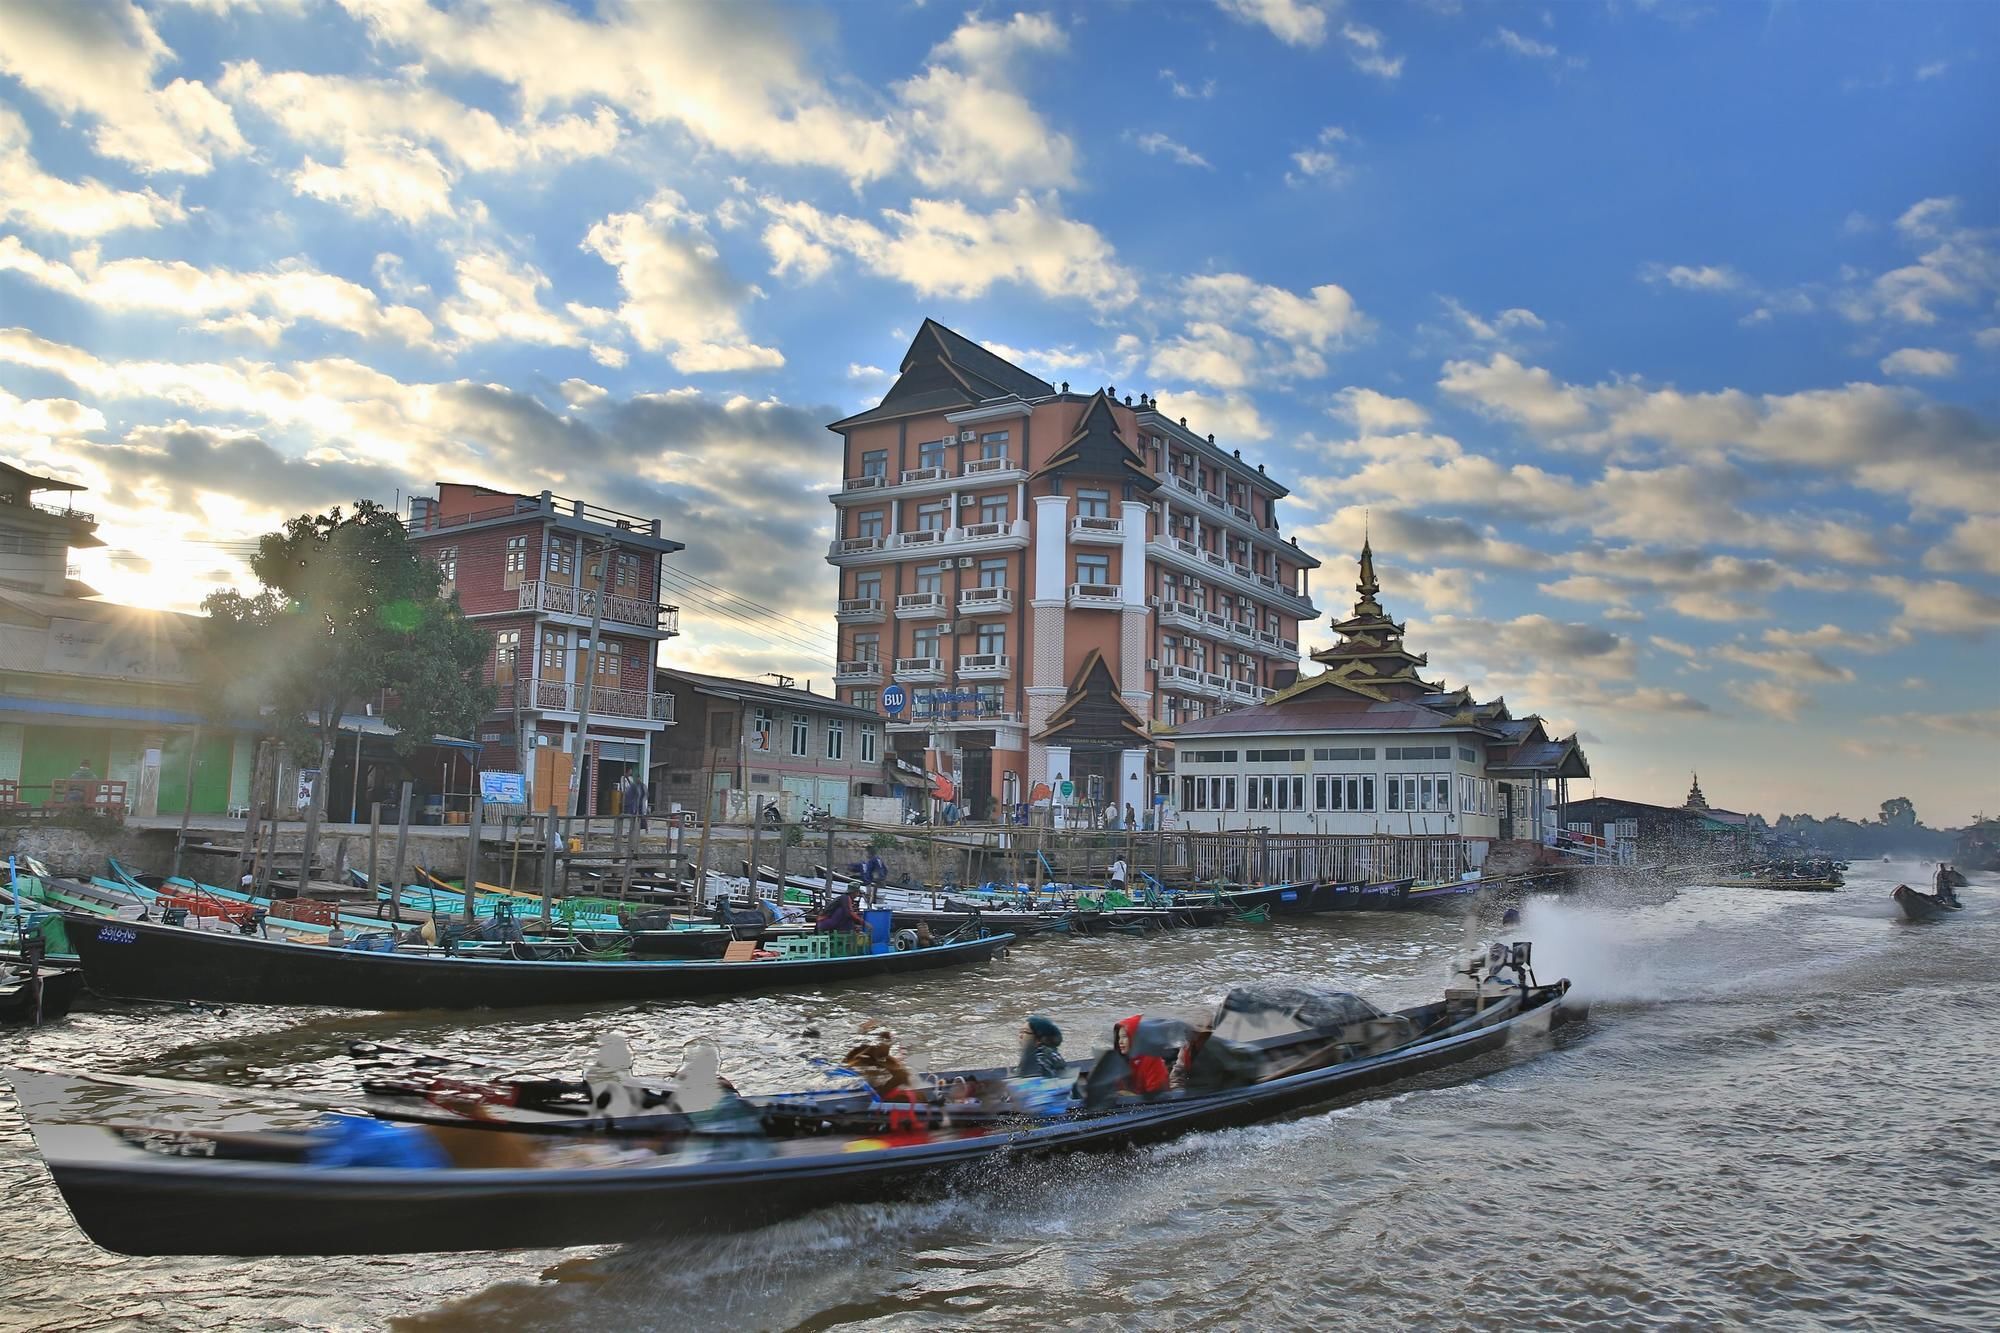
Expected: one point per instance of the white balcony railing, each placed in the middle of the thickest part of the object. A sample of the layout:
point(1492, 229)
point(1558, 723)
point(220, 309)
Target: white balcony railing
point(919, 605)
point(1214, 501)
point(983, 665)
point(912, 475)
point(1096, 528)
point(979, 467)
point(565, 599)
point(973, 532)
point(855, 546)
point(867, 481)
point(920, 668)
point(920, 537)
point(850, 609)
point(561, 696)
point(1093, 594)
point(861, 669)
point(973, 601)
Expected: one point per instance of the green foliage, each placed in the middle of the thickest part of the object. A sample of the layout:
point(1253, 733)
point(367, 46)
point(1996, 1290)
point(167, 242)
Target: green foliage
point(348, 613)
point(794, 835)
point(1900, 812)
point(881, 842)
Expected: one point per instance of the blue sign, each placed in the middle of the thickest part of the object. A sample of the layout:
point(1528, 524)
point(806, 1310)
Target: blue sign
point(894, 699)
point(503, 788)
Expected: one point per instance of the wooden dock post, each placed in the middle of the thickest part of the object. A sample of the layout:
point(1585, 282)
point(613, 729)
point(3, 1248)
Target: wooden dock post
point(757, 884)
point(374, 840)
point(548, 864)
point(472, 858)
point(402, 853)
point(827, 897)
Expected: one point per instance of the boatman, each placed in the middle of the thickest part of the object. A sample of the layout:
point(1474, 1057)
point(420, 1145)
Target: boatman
point(1041, 1050)
point(1117, 874)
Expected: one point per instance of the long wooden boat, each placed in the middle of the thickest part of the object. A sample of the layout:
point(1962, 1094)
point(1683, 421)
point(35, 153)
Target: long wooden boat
point(143, 960)
point(1315, 898)
point(1918, 906)
point(139, 1189)
point(1783, 885)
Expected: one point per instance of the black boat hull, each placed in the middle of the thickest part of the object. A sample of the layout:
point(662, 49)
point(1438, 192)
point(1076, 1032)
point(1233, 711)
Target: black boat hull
point(1921, 906)
point(1326, 896)
point(251, 1209)
point(141, 960)
point(58, 986)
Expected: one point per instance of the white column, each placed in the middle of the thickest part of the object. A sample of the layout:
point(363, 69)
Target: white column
point(1056, 768)
point(1132, 579)
point(1132, 781)
point(1050, 542)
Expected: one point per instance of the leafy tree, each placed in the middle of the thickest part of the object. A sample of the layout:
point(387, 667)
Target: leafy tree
point(1899, 812)
point(349, 613)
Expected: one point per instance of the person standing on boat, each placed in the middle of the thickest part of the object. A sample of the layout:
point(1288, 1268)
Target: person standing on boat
point(1041, 1050)
point(874, 870)
point(1117, 874)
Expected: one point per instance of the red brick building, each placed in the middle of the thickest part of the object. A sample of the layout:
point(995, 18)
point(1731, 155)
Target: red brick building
point(529, 570)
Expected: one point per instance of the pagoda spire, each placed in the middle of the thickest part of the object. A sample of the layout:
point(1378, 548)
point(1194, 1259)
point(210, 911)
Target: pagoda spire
point(1695, 800)
point(1370, 659)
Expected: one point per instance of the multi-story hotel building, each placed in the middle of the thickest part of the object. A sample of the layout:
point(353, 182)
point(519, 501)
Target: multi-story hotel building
point(1034, 581)
point(530, 570)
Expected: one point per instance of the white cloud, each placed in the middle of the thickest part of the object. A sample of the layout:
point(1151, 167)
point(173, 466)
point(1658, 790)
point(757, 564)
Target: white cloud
point(1156, 144)
point(1293, 22)
point(1939, 605)
point(1693, 277)
point(96, 60)
point(41, 202)
point(970, 126)
point(946, 248)
point(37, 423)
point(868, 374)
point(1228, 417)
point(1783, 702)
point(500, 300)
point(1956, 265)
point(1208, 354)
point(1525, 46)
point(290, 292)
point(1505, 388)
point(1319, 160)
point(1324, 317)
point(679, 297)
point(1927, 362)
point(1366, 52)
point(1188, 92)
point(1497, 328)
point(1974, 545)
point(1377, 413)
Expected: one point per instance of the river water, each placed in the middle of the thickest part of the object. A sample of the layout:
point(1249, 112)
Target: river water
point(1780, 1113)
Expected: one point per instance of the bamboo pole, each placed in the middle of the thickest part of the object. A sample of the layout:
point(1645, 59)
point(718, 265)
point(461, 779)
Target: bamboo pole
point(374, 839)
point(472, 858)
point(549, 863)
point(402, 854)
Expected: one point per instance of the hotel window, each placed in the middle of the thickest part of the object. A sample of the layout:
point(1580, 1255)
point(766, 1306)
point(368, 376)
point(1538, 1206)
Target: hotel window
point(930, 453)
point(930, 578)
point(1093, 569)
point(1468, 754)
point(993, 444)
point(868, 524)
point(989, 699)
point(868, 587)
point(628, 571)
point(801, 735)
point(604, 662)
point(1010, 789)
point(868, 647)
point(992, 638)
point(933, 517)
point(1344, 792)
point(993, 573)
point(993, 509)
point(555, 654)
point(925, 642)
point(506, 648)
point(562, 557)
point(1093, 504)
point(875, 463)
point(517, 561)
point(448, 566)
point(867, 745)
point(836, 738)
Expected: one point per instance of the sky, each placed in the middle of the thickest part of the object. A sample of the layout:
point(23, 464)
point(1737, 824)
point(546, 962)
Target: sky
point(1655, 344)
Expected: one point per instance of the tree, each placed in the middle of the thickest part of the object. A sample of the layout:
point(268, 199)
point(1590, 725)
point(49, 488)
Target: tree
point(349, 613)
point(1899, 812)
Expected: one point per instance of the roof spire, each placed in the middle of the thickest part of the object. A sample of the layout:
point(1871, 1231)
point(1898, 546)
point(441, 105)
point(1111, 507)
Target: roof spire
point(1695, 800)
point(1367, 587)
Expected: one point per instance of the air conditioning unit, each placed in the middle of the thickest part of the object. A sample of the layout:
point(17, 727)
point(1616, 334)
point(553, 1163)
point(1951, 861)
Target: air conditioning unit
point(1153, 602)
point(968, 499)
point(967, 436)
point(1152, 664)
point(965, 562)
point(944, 627)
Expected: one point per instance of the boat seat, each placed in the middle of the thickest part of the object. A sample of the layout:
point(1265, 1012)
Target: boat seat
point(740, 951)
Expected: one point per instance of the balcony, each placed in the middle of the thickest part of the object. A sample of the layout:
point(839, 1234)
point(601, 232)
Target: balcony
point(562, 696)
point(985, 601)
point(1183, 615)
point(1221, 572)
point(921, 539)
point(990, 469)
point(867, 481)
point(920, 670)
point(984, 666)
point(955, 717)
point(1094, 596)
point(1248, 689)
point(863, 671)
point(920, 606)
point(858, 610)
point(915, 475)
point(1096, 529)
point(854, 549)
point(1184, 678)
point(562, 599)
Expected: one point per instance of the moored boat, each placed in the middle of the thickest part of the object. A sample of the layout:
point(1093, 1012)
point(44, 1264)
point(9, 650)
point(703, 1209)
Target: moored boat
point(144, 960)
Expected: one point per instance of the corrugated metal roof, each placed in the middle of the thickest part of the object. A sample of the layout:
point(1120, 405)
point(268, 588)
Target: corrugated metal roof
point(730, 687)
point(1308, 713)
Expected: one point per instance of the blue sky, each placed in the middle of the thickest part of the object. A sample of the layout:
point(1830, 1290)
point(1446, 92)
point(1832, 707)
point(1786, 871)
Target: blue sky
point(1657, 342)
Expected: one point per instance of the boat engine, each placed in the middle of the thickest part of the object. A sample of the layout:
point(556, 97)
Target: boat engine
point(1491, 975)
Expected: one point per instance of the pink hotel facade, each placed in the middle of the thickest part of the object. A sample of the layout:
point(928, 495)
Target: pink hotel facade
point(1047, 580)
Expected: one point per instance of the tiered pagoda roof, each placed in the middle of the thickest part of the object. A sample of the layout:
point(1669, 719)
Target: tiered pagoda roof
point(1370, 659)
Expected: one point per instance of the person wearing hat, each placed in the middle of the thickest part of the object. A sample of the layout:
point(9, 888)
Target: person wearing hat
point(1041, 1050)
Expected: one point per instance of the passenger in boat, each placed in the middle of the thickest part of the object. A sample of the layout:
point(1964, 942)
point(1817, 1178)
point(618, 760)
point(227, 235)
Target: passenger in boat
point(1147, 1074)
point(1041, 1050)
point(845, 914)
point(1117, 874)
point(1941, 885)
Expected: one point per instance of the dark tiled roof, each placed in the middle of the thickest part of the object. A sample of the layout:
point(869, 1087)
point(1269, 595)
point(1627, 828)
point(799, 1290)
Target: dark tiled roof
point(1004, 375)
point(944, 371)
point(1321, 712)
point(729, 687)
